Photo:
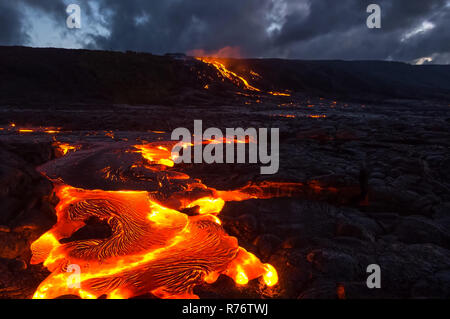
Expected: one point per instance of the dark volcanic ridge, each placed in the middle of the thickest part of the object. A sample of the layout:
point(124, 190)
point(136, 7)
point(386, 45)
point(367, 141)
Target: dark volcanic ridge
point(40, 76)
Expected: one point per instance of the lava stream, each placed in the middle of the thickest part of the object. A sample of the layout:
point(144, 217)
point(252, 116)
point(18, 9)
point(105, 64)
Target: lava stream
point(154, 247)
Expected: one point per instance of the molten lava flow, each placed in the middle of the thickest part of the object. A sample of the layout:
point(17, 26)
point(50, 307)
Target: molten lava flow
point(40, 129)
point(23, 130)
point(233, 77)
point(109, 134)
point(288, 116)
point(162, 154)
point(65, 148)
point(159, 155)
point(52, 131)
point(154, 247)
point(279, 94)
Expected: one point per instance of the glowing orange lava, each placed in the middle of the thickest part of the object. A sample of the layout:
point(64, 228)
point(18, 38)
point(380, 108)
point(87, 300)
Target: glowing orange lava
point(235, 78)
point(279, 93)
point(65, 148)
point(219, 65)
point(153, 246)
point(288, 116)
point(157, 155)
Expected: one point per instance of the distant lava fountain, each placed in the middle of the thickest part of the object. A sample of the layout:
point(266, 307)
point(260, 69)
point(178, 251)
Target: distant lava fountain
point(154, 247)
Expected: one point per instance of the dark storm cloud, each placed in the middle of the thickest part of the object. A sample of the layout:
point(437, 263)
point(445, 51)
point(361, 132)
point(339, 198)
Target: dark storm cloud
point(174, 25)
point(11, 31)
point(305, 29)
point(339, 31)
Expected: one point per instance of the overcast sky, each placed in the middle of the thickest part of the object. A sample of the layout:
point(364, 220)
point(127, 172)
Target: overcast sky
point(415, 31)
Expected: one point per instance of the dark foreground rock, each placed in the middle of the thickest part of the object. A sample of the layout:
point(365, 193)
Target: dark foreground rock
point(26, 212)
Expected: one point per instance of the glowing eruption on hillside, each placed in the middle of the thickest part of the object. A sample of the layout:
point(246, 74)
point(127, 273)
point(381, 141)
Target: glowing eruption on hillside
point(226, 73)
point(154, 247)
point(218, 61)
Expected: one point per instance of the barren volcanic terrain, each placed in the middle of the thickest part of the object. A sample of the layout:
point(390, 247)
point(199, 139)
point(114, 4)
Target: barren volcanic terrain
point(364, 154)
